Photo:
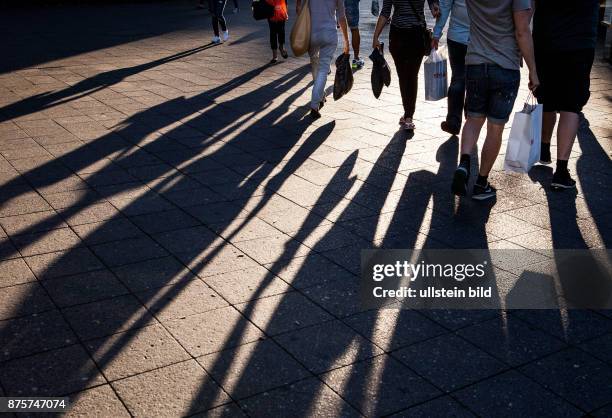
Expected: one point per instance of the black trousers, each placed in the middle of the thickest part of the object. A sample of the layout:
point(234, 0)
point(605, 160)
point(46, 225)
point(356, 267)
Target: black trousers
point(456, 90)
point(406, 47)
point(216, 8)
point(277, 33)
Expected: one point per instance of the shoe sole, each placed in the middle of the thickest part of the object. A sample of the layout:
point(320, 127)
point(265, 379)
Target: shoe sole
point(482, 197)
point(459, 186)
point(545, 162)
point(561, 186)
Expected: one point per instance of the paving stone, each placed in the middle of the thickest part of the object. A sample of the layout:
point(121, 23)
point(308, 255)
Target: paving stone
point(46, 242)
point(227, 410)
point(152, 274)
point(513, 342)
point(84, 287)
point(272, 249)
point(245, 229)
point(341, 298)
point(133, 352)
point(189, 239)
point(213, 331)
point(107, 231)
point(449, 362)
point(101, 399)
point(13, 272)
point(53, 373)
point(600, 347)
point(34, 333)
point(63, 263)
point(217, 259)
point(510, 395)
point(164, 221)
point(574, 375)
point(303, 272)
point(574, 327)
point(23, 299)
point(444, 406)
point(391, 328)
point(128, 251)
point(293, 400)
point(379, 386)
point(455, 319)
point(281, 313)
point(96, 212)
point(32, 222)
point(245, 370)
point(606, 411)
point(314, 349)
point(175, 390)
point(245, 285)
point(216, 213)
point(98, 319)
point(181, 299)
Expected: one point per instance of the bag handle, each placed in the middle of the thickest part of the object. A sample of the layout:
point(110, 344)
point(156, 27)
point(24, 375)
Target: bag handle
point(531, 99)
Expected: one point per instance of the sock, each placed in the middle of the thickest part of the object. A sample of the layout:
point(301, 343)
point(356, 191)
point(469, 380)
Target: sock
point(465, 161)
point(562, 166)
point(482, 180)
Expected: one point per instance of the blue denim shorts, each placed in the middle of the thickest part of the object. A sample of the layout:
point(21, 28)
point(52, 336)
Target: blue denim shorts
point(351, 9)
point(490, 92)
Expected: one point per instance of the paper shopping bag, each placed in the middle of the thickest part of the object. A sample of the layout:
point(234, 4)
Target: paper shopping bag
point(523, 149)
point(300, 33)
point(436, 79)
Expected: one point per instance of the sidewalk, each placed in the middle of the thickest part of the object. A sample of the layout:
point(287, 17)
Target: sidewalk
point(177, 237)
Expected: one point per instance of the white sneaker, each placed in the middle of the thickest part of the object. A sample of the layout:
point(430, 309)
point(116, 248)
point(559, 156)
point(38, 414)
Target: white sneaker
point(216, 40)
point(225, 35)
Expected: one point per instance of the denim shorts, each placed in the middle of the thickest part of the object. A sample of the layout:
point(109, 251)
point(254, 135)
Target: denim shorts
point(490, 92)
point(351, 9)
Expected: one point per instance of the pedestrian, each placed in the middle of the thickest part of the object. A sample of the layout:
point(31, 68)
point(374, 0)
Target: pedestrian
point(277, 29)
point(499, 35)
point(457, 40)
point(323, 43)
point(216, 8)
point(564, 34)
point(352, 18)
point(406, 43)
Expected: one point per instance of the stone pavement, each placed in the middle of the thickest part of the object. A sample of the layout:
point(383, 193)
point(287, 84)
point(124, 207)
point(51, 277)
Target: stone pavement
point(177, 238)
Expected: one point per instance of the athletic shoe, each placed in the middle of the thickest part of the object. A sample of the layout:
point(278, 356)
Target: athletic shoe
point(562, 180)
point(483, 192)
point(450, 128)
point(225, 35)
point(460, 181)
point(545, 157)
point(357, 64)
point(216, 40)
point(314, 114)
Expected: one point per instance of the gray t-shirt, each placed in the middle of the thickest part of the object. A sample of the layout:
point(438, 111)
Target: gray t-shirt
point(323, 14)
point(492, 38)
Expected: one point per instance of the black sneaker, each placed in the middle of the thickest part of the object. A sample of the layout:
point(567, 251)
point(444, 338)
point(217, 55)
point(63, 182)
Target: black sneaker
point(460, 180)
point(450, 128)
point(545, 156)
point(481, 192)
point(562, 180)
point(314, 114)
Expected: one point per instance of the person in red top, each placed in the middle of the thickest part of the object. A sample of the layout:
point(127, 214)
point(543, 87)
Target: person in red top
point(277, 29)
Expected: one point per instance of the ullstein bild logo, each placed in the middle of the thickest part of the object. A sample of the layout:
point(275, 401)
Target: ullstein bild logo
point(486, 279)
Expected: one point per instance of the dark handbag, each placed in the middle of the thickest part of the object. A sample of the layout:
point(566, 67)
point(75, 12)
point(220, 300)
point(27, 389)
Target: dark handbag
point(343, 80)
point(426, 33)
point(381, 75)
point(262, 9)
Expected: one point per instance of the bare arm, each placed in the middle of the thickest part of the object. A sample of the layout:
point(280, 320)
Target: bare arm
point(524, 39)
point(380, 25)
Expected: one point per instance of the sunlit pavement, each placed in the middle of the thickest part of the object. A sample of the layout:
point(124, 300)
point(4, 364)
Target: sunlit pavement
point(178, 238)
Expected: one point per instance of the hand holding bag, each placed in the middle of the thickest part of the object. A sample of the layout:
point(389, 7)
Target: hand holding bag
point(523, 149)
point(300, 33)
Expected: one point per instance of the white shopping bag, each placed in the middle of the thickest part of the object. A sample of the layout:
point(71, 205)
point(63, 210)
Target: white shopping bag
point(436, 78)
point(523, 149)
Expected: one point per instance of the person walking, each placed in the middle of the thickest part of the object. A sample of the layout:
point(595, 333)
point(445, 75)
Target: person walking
point(323, 43)
point(457, 40)
point(565, 35)
point(216, 8)
point(499, 35)
point(277, 29)
point(351, 8)
point(406, 43)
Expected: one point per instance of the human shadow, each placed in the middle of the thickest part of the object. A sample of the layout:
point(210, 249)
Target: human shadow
point(88, 86)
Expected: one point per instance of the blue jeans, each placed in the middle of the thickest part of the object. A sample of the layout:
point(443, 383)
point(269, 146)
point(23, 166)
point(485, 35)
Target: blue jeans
point(490, 92)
